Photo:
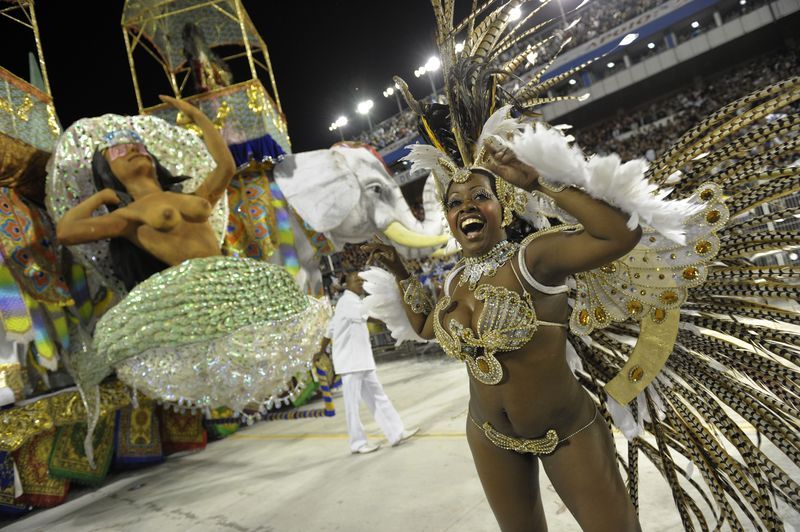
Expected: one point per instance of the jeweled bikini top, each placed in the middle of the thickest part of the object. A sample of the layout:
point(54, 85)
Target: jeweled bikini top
point(506, 323)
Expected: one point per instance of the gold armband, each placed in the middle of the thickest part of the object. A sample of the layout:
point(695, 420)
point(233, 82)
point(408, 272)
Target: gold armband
point(415, 296)
point(550, 186)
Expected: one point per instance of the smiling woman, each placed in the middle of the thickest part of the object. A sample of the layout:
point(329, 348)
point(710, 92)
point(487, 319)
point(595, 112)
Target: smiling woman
point(510, 298)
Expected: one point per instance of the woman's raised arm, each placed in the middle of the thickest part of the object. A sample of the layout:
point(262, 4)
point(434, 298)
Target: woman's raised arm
point(215, 184)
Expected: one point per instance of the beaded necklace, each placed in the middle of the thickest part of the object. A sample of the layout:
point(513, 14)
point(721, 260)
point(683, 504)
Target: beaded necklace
point(487, 264)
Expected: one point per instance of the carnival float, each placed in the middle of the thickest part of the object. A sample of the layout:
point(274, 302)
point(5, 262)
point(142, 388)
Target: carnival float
point(76, 406)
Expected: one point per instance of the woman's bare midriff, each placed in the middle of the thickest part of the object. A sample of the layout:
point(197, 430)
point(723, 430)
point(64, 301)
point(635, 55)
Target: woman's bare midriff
point(538, 391)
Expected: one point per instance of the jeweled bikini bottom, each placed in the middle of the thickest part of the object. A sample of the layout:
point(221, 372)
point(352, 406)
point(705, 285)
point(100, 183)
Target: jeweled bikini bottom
point(538, 446)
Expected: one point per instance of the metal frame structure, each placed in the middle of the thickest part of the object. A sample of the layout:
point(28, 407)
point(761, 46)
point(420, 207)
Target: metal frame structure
point(22, 12)
point(135, 33)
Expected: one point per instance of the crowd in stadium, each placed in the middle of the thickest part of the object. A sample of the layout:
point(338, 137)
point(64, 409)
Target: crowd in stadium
point(391, 130)
point(645, 132)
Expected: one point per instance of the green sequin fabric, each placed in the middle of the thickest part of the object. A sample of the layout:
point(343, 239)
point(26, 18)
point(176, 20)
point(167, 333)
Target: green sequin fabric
point(217, 331)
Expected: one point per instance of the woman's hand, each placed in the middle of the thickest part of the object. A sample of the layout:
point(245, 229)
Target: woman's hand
point(107, 197)
point(503, 161)
point(388, 256)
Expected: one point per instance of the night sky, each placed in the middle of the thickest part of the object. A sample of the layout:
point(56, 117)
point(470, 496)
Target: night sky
point(327, 56)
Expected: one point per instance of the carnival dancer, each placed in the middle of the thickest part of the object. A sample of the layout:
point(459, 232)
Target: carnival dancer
point(193, 327)
point(546, 381)
point(354, 361)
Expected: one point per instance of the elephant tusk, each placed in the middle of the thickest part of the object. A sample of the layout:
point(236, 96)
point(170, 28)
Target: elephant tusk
point(399, 234)
point(451, 248)
point(441, 253)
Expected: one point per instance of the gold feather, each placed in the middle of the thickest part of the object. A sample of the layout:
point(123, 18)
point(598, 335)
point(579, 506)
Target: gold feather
point(513, 64)
point(674, 158)
point(489, 30)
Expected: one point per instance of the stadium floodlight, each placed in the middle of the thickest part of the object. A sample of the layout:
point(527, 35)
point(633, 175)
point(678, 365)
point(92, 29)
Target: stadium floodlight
point(572, 82)
point(792, 256)
point(695, 24)
point(433, 64)
point(459, 47)
point(629, 38)
point(391, 91)
point(338, 125)
point(742, 2)
point(651, 45)
point(514, 14)
point(364, 107)
point(610, 64)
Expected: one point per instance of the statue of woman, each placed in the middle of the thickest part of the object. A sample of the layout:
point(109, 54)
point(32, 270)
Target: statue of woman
point(193, 326)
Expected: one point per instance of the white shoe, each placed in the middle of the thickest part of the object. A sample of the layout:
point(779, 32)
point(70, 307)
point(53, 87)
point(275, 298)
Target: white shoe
point(366, 449)
point(406, 435)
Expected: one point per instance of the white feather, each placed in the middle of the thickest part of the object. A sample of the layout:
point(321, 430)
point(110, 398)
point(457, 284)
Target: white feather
point(606, 178)
point(548, 150)
point(423, 157)
point(426, 158)
point(384, 302)
point(622, 418)
point(498, 125)
point(540, 207)
point(574, 360)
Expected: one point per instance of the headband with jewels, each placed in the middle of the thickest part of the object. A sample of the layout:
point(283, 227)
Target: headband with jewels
point(446, 169)
point(119, 136)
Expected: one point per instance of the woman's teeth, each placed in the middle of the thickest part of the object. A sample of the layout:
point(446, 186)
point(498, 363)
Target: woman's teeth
point(471, 226)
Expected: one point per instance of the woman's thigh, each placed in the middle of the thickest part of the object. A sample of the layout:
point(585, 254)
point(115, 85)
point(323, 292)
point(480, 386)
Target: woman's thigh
point(510, 481)
point(583, 470)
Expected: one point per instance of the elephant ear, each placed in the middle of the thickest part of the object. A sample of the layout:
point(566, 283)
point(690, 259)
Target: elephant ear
point(320, 186)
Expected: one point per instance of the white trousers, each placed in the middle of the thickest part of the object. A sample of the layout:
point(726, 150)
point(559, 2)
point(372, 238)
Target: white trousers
point(365, 385)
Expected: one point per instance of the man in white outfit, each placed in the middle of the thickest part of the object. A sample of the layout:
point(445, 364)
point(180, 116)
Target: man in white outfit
point(353, 360)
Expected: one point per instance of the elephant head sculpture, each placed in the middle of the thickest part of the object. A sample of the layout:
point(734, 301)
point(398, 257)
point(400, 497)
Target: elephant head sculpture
point(347, 193)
